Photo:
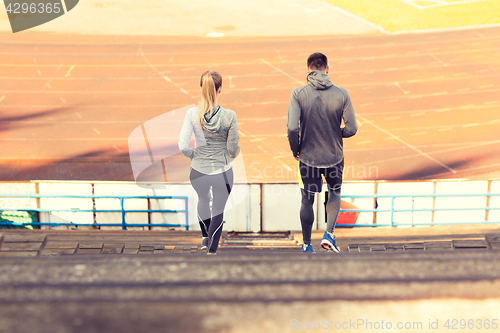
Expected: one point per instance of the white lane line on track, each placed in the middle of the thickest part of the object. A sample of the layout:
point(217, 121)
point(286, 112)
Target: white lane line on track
point(34, 60)
point(47, 84)
point(2, 98)
point(282, 72)
point(96, 130)
point(68, 73)
point(281, 156)
point(119, 150)
point(417, 114)
point(78, 115)
point(443, 110)
point(231, 85)
point(408, 145)
point(471, 125)
point(467, 146)
point(279, 56)
point(39, 73)
point(439, 60)
point(439, 93)
point(62, 100)
point(265, 151)
point(392, 118)
point(399, 86)
point(259, 139)
point(160, 73)
point(445, 129)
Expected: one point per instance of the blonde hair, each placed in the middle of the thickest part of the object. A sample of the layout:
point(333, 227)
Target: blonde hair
point(210, 82)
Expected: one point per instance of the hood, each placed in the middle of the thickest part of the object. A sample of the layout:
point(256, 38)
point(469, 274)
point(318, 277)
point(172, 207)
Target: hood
point(319, 80)
point(212, 120)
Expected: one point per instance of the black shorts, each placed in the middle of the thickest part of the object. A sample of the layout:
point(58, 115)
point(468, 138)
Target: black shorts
point(310, 177)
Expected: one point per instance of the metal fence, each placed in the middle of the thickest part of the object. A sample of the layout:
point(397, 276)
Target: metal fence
point(123, 211)
point(393, 210)
point(389, 208)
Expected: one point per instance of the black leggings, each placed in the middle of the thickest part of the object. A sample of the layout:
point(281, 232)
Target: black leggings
point(307, 212)
point(211, 220)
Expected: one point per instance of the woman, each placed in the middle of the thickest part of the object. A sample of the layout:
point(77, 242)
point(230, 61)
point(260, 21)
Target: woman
point(216, 143)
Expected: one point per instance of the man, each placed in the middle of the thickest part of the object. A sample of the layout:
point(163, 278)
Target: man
point(315, 134)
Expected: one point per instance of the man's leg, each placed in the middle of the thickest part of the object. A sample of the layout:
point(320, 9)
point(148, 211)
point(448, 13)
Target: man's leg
point(332, 208)
point(307, 215)
point(334, 180)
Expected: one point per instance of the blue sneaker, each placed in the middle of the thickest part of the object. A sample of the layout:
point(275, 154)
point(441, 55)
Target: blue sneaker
point(308, 248)
point(328, 243)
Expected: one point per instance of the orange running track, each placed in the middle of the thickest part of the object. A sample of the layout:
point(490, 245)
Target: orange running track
point(428, 105)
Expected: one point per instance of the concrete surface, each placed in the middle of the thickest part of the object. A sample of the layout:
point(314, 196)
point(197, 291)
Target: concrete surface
point(199, 18)
point(256, 283)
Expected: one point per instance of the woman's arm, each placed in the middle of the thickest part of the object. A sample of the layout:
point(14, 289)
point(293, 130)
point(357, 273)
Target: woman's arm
point(185, 137)
point(233, 138)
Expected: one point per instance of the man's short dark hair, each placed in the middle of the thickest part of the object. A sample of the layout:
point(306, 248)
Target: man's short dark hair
point(317, 61)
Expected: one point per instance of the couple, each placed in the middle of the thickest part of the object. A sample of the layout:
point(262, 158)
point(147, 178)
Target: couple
point(315, 134)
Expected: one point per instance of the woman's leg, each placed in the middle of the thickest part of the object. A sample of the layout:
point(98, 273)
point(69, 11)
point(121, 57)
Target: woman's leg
point(221, 188)
point(201, 184)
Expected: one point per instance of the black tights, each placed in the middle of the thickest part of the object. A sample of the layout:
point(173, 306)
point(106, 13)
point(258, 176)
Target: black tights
point(307, 212)
point(211, 220)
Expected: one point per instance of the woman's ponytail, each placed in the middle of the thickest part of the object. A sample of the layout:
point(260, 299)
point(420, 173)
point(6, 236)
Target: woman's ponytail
point(210, 82)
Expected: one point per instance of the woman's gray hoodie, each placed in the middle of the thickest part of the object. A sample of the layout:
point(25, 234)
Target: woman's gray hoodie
point(215, 144)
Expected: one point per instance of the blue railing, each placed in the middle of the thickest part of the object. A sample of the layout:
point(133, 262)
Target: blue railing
point(394, 210)
point(122, 210)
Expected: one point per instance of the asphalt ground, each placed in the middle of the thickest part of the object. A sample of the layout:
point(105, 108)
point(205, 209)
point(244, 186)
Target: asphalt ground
point(426, 103)
point(261, 284)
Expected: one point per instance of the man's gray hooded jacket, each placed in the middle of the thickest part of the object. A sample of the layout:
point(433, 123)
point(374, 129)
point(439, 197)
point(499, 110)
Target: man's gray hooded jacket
point(315, 115)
